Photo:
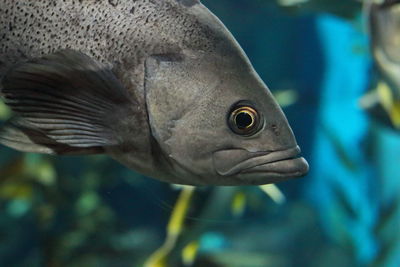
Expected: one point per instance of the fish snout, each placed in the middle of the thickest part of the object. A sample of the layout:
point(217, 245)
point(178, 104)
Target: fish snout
point(266, 167)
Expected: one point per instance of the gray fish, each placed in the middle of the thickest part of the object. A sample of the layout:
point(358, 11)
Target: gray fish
point(382, 101)
point(159, 85)
point(384, 28)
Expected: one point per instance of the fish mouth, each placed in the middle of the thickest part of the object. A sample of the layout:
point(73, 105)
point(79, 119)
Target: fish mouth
point(268, 165)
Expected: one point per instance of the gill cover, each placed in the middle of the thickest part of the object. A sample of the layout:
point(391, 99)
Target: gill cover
point(169, 100)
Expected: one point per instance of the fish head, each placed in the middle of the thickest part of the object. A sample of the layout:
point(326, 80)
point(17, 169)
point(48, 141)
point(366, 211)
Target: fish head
point(213, 120)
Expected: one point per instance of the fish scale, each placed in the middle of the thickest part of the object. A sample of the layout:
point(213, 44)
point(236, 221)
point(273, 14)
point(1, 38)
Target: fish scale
point(37, 28)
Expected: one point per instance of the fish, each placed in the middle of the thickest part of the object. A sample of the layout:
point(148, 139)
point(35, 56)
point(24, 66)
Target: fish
point(382, 102)
point(347, 10)
point(384, 30)
point(161, 86)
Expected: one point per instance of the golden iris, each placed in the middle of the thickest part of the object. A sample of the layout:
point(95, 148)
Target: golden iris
point(244, 120)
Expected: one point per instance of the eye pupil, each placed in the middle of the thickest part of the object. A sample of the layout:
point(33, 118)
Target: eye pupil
point(244, 120)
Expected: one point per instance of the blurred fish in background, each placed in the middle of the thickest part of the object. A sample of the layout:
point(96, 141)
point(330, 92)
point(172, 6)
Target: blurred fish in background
point(383, 101)
point(315, 56)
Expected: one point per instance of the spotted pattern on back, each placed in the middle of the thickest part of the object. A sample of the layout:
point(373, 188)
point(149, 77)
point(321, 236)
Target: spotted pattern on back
point(114, 32)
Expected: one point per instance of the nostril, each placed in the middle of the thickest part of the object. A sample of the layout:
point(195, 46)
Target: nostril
point(275, 129)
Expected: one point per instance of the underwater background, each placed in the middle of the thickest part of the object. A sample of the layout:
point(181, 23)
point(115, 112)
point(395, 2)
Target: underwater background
point(315, 57)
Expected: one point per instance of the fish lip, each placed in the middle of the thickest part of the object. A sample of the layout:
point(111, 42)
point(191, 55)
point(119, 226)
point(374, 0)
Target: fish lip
point(282, 163)
point(290, 167)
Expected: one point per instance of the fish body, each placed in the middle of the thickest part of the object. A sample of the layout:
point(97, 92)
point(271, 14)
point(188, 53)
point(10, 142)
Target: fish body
point(159, 85)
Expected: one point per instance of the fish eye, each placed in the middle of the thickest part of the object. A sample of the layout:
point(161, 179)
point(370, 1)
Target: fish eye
point(244, 120)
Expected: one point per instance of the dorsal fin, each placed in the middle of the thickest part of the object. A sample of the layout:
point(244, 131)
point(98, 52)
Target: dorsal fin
point(64, 104)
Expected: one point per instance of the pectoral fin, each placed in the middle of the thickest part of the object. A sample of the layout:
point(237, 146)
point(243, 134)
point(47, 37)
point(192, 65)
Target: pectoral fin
point(65, 103)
